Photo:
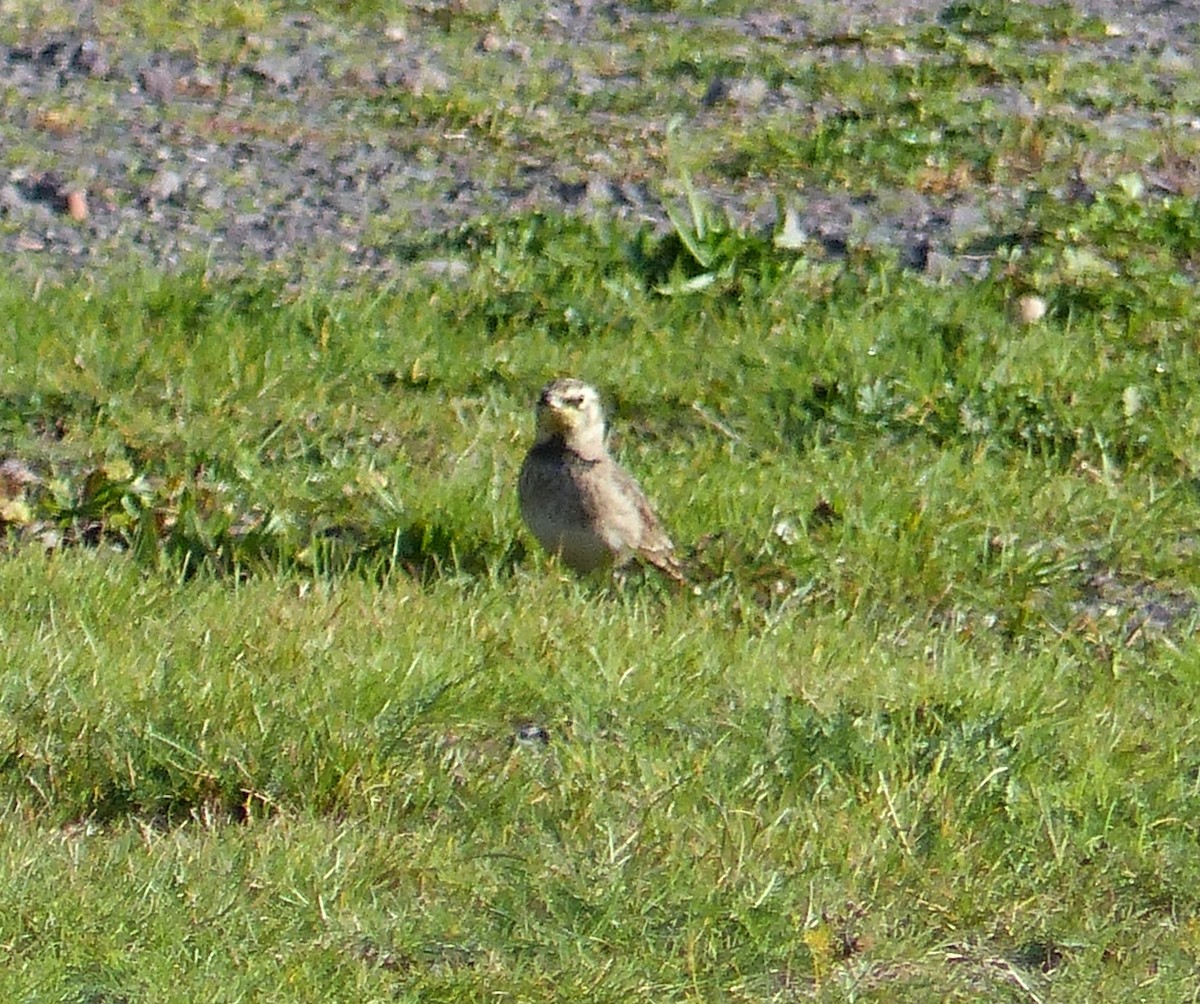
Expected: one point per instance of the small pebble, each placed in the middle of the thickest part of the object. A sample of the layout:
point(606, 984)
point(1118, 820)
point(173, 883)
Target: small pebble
point(749, 93)
point(165, 185)
point(77, 207)
point(90, 58)
point(158, 82)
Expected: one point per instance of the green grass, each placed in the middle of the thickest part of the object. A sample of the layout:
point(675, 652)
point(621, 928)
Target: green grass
point(294, 710)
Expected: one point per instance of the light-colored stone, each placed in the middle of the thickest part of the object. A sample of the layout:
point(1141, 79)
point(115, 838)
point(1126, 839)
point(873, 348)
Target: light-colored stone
point(1030, 309)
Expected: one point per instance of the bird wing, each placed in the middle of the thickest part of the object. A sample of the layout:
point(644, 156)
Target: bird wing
point(653, 545)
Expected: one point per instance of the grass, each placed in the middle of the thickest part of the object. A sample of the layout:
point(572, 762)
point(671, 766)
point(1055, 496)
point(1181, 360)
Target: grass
point(307, 720)
point(293, 709)
point(818, 805)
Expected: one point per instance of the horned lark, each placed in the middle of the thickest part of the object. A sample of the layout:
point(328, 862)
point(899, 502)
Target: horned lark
point(580, 503)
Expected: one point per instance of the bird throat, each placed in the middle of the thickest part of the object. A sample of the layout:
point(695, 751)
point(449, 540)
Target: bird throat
point(584, 454)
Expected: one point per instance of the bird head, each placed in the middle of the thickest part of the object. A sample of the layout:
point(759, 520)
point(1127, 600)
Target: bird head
point(569, 410)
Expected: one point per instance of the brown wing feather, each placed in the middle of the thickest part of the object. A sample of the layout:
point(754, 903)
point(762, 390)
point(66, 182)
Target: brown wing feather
point(653, 546)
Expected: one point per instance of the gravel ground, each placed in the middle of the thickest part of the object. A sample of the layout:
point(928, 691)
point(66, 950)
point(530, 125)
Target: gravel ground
point(278, 151)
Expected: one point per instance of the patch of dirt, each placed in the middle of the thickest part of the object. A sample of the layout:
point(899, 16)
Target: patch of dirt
point(295, 147)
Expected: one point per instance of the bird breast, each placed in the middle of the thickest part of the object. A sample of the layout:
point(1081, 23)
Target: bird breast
point(561, 503)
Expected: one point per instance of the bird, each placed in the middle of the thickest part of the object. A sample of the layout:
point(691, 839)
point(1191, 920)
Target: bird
point(576, 499)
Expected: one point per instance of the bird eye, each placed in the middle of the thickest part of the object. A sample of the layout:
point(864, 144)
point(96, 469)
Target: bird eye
point(575, 401)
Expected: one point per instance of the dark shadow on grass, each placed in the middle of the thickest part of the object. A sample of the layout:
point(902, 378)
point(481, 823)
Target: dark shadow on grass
point(423, 550)
point(46, 414)
point(191, 528)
